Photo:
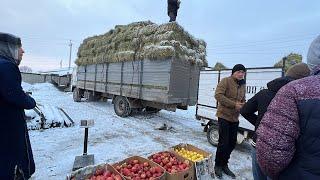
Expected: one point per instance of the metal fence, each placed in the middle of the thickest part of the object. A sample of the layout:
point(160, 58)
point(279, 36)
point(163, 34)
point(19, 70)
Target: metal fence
point(33, 78)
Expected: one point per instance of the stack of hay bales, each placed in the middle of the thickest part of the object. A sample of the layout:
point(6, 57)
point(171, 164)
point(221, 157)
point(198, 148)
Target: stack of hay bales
point(140, 41)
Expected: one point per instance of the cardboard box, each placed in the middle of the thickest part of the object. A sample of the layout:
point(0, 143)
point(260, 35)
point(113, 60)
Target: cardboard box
point(87, 172)
point(191, 148)
point(141, 159)
point(185, 175)
point(202, 169)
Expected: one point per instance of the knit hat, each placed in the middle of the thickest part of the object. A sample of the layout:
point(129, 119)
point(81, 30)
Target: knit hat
point(313, 58)
point(238, 67)
point(298, 71)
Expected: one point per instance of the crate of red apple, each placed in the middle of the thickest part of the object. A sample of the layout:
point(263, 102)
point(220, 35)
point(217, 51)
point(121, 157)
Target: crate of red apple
point(105, 175)
point(138, 168)
point(99, 172)
point(176, 166)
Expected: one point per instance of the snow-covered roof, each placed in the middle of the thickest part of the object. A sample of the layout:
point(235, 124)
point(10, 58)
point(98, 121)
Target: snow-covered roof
point(60, 71)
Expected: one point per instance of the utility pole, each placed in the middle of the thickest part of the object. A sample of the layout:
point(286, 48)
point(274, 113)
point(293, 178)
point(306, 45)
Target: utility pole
point(70, 45)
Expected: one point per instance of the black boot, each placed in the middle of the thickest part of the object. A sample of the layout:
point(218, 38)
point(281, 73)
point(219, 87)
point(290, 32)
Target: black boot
point(218, 171)
point(228, 172)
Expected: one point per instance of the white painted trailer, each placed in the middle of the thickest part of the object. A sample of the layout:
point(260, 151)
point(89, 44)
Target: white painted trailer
point(256, 80)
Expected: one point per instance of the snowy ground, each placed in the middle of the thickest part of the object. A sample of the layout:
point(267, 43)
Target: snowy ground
point(113, 138)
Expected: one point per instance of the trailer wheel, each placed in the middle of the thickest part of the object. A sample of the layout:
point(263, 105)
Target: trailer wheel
point(213, 135)
point(76, 95)
point(122, 107)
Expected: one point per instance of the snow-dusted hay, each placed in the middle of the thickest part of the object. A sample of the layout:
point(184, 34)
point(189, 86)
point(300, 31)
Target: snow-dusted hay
point(140, 41)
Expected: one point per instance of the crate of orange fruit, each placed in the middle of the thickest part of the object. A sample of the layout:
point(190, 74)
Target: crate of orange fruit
point(202, 160)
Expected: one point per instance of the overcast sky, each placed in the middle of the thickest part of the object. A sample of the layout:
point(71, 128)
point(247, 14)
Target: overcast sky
point(255, 33)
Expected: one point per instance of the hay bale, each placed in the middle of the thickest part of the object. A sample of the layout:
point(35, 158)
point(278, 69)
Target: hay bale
point(142, 40)
point(148, 30)
point(124, 56)
point(158, 52)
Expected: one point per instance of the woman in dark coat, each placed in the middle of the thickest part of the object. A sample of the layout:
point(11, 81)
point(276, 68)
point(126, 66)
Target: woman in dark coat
point(288, 137)
point(16, 159)
point(260, 102)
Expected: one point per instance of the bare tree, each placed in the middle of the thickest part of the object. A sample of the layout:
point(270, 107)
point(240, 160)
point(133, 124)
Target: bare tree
point(25, 69)
point(291, 59)
point(219, 66)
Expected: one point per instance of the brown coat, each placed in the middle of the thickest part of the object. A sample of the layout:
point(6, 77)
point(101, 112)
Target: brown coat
point(229, 92)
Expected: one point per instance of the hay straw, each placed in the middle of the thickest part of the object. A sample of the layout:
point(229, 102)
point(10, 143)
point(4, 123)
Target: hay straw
point(142, 40)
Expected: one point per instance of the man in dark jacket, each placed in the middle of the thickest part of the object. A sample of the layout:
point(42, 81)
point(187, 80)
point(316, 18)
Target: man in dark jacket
point(230, 94)
point(288, 137)
point(260, 102)
point(173, 6)
point(15, 152)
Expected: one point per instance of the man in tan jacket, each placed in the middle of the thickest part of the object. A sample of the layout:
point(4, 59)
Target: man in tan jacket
point(230, 94)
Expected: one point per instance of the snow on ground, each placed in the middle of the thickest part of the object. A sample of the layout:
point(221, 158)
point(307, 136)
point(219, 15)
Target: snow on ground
point(113, 138)
point(26, 87)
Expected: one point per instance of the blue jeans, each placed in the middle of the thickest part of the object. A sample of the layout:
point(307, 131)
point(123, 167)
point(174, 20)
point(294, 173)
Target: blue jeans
point(256, 171)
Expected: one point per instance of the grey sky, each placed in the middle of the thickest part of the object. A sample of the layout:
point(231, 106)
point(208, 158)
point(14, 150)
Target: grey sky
point(255, 33)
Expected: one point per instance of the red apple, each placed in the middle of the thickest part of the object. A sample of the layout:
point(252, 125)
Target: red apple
point(143, 175)
point(134, 169)
point(107, 174)
point(135, 161)
point(99, 172)
point(100, 177)
point(152, 170)
point(158, 169)
point(145, 164)
point(148, 174)
point(173, 171)
point(184, 165)
point(126, 172)
point(117, 177)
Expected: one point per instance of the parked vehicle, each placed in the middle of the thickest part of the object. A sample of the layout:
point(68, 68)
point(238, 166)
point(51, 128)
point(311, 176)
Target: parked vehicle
point(256, 80)
point(136, 85)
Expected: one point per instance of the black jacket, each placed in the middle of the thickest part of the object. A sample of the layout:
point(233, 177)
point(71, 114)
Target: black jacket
point(260, 102)
point(173, 6)
point(15, 151)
